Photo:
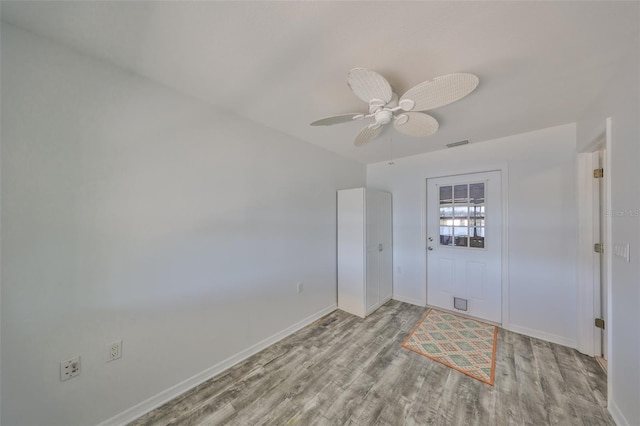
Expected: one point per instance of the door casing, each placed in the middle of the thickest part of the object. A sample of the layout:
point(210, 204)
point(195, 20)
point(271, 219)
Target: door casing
point(588, 272)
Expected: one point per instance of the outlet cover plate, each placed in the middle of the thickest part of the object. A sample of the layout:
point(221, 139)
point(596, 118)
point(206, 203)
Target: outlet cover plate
point(69, 368)
point(114, 351)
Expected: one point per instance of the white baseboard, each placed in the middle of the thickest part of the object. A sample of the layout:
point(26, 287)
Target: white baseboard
point(167, 395)
point(553, 338)
point(617, 415)
point(408, 300)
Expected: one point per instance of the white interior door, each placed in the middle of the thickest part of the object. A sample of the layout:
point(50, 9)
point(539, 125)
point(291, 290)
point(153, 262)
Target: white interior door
point(464, 243)
point(602, 224)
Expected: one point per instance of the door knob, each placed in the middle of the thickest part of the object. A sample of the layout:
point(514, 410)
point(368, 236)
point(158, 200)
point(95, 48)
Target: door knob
point(430, 239)
point(429, 248)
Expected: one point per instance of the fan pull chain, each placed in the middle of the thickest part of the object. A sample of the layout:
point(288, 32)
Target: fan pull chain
point(391, 163)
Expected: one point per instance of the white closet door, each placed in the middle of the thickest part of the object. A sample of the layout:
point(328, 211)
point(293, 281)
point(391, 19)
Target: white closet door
point(351, 251)
point(364, 250)
point(386, 261)
point(373, 256)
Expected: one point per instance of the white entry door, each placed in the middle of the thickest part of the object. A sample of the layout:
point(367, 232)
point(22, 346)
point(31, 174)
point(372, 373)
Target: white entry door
point(464, 244)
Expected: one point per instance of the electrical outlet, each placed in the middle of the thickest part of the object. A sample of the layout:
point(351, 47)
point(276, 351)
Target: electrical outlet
point(69, 368)
point(114, 350)
point(299, 287)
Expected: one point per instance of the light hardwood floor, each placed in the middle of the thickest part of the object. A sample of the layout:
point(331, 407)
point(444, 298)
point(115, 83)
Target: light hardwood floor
point(343, 370)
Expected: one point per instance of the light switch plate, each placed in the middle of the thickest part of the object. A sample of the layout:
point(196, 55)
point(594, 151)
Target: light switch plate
point(622, 251)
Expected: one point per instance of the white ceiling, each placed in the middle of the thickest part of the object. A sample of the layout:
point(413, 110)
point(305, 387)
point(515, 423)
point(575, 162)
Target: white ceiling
point(284, 64)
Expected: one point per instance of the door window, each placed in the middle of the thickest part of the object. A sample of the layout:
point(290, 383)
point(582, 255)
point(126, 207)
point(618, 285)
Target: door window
point(462, 215)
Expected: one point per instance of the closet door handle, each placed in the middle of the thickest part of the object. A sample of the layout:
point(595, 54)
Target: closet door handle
point(380, 247)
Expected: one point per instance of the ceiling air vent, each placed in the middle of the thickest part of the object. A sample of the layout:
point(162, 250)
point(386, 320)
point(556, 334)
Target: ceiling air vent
point(451, 145)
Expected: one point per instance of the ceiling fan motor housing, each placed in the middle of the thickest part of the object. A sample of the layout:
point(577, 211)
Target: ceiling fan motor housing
point(383, 116)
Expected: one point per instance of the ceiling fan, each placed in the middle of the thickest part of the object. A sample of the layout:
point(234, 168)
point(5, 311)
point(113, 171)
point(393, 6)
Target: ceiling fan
point(406, 112)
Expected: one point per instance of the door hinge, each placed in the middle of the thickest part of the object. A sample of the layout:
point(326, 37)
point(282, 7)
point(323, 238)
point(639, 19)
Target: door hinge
point(598, 173)
point(598, 248)
point(600, 323)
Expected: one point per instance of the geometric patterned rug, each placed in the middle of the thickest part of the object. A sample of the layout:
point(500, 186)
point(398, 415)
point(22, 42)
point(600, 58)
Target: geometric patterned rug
point(464, 344)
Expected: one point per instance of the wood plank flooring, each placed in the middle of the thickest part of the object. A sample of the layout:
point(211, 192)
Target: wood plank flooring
point(343, 370)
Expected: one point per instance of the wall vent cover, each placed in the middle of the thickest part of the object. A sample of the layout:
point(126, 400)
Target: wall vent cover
point(464, 142)
point(460, 304)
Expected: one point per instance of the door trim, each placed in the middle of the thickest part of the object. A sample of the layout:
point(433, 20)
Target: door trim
point(503, 168)
point(588, 283)
point(587, 278)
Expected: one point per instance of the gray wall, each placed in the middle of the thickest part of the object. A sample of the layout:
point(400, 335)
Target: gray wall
point(132, 212)
point(540, 282)
point(621, 102)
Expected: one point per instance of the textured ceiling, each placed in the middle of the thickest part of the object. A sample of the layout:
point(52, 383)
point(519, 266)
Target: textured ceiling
point(284, 64)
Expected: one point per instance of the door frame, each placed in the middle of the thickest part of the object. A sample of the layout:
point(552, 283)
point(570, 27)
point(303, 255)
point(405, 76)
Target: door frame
point(588, 284)
point(503, 168)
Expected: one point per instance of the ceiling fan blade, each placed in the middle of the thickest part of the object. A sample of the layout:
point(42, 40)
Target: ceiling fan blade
point(368, 85)
point(337, 119)
point(366, 135)
point(441, 91)
point(417, 124)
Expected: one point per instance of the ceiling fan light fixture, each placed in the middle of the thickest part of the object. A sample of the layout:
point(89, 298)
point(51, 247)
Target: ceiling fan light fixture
point(383, 116)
